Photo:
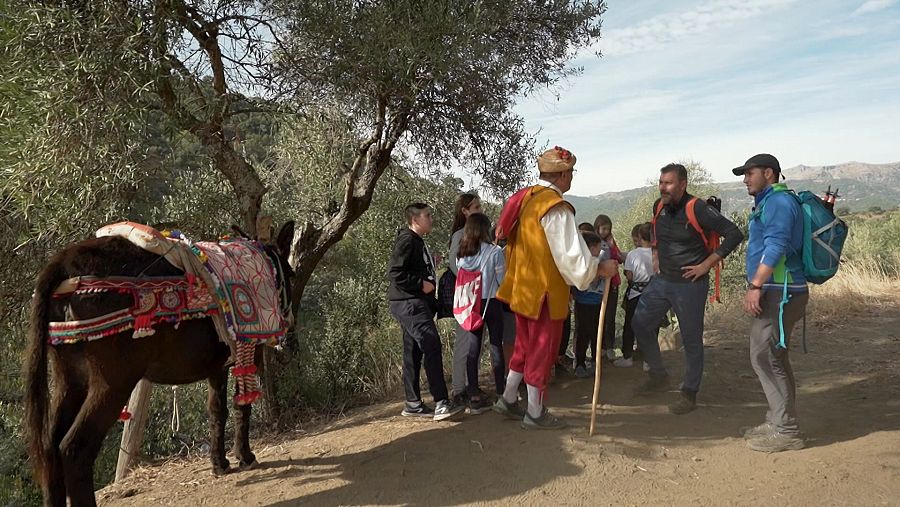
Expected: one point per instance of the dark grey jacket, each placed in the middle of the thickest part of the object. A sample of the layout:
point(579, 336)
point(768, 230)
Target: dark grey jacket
point(678, 243)
point(408, 267)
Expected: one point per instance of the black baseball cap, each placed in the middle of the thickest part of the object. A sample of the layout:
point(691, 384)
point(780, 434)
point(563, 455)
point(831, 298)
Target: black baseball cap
point(761, 160)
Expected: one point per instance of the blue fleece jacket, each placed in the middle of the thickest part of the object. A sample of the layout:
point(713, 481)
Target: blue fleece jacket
point(492, 264)
point(776, 234)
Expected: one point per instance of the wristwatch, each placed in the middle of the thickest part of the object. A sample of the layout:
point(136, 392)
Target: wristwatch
point(750, 286)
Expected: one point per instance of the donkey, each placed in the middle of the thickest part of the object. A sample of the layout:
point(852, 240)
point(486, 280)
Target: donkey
point(92, 380)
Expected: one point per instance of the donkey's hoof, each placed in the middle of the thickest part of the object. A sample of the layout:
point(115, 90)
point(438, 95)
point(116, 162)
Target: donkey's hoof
point(249, 466)
point(219, 471)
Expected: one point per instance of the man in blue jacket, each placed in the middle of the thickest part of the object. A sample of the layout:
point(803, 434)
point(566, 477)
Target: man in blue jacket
point(776, 297)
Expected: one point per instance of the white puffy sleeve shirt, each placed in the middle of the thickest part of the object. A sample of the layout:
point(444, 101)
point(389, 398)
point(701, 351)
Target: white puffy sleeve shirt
point(570, 253)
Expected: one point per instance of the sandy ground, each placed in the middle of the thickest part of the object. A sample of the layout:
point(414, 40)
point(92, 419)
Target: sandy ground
point(849, 404)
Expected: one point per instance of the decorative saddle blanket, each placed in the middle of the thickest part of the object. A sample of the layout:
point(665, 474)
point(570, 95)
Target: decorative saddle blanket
point(240, 290)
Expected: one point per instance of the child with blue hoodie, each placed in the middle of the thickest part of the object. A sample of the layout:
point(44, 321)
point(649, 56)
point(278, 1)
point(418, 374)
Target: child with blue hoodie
point(587, 310)
point(477, 253)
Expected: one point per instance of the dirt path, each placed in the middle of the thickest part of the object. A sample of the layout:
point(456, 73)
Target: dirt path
point(849, 395)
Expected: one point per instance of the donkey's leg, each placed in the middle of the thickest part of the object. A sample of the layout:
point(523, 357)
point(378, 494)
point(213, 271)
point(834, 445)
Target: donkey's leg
point(218, 413)
point(69, 398)
point(242, 438)
point(82, 442)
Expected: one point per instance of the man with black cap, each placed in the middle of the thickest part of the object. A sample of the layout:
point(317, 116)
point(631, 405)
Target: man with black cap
point(682, 225)
point(776, 297)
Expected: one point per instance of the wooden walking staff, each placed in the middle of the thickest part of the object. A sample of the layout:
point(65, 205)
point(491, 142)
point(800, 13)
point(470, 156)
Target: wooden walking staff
point(599, 360)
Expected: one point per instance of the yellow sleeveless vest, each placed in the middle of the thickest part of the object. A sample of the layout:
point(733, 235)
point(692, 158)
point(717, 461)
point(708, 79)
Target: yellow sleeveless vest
point(531, 274)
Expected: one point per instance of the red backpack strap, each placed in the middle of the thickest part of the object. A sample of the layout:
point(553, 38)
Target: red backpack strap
point(659, 207)
point(692, 219)
point(711, 242)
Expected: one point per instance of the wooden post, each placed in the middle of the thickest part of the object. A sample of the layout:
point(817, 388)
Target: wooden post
point(599, 360)
point(133, 434)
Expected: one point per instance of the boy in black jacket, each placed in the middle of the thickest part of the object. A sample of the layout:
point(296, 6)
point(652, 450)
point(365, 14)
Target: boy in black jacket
point(412, 302)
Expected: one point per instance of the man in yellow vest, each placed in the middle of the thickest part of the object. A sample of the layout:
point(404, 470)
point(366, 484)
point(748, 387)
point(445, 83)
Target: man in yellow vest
point(545, 254)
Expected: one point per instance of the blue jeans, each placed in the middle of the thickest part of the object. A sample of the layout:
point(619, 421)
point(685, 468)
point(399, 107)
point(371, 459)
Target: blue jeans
point(688, 300)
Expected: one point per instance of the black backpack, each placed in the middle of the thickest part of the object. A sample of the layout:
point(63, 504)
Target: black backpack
point(446, 288)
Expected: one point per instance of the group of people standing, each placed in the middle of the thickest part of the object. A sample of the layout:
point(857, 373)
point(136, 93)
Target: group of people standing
point(547, 259)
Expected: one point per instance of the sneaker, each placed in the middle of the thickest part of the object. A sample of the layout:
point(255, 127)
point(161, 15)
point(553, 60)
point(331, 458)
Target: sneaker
point(687, 402)
point(477, 406)
point(775, 442)
point(420, 410)
point(446, 409)
point(511, 410)
point(623, 362)
point(652, 385)
point(546, 421)
point(582, 372)
point(646, 366)
point(761, 430)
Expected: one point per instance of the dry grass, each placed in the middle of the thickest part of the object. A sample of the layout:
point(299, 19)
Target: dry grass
point(863, 286)
point(859, 286)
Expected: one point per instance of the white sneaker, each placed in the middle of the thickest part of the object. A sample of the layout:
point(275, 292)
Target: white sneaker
point(646, 366)
point(623, 362)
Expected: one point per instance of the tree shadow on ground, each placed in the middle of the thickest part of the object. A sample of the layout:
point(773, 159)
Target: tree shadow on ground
point(469, 470)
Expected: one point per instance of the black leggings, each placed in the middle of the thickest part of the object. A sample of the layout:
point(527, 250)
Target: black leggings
point(627, 332)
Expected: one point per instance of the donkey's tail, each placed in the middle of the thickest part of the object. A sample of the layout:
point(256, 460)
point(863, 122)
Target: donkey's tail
point(37, 427)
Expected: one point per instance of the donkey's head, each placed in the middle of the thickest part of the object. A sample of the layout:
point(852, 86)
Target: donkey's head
point(280, 251)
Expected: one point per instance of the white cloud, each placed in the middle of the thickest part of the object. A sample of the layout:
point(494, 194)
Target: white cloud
point(666, 28)
point(873, 6)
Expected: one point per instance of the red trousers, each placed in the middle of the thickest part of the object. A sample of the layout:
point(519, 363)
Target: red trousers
point(537, 345)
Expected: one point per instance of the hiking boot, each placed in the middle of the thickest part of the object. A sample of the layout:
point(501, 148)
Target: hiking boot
point(512, 410)
point(446, 409)
point(582, 372)
point(623, 362)
point(546, 421)
point(775, 442)
point(652, 385)
point(687, 402)
point(420, 410)
point(477, 406)
point(761, 430)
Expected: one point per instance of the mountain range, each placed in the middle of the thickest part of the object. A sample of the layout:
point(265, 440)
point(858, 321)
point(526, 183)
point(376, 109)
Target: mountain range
point(862, 187)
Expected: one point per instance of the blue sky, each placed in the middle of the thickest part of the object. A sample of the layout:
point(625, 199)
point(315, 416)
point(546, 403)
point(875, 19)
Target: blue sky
point(716, 81)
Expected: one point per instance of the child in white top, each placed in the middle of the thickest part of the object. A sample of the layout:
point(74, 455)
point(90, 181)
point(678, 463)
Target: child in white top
point(638, 270)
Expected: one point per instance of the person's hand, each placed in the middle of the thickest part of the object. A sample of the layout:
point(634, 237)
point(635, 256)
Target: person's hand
point(427, 287)
point(608, 268)
point(751, 302)
point(694, 272)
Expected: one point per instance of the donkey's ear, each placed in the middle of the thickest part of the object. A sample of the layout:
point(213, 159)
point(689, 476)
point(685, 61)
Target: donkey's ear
point(285, 238)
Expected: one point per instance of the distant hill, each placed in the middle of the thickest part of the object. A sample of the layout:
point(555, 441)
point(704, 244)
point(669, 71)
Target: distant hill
point(862, 186)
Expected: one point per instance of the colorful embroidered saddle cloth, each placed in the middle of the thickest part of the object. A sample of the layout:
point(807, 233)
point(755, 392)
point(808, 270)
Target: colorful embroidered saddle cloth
point(243, 283)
